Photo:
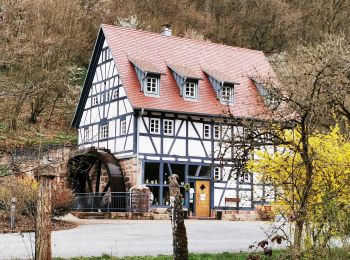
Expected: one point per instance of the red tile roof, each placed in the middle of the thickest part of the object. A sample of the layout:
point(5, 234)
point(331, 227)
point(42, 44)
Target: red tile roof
point(238, 63)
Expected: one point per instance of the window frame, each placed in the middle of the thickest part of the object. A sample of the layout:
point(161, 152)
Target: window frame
point(170, 122)
point(217, 170)
point(189, 84)
point(95, 100)
point(229, 95)
point(123, 128)
point(217, 128)
point(115, 94)
point(86, 136)
point(158, 125)
point(103, 131)
point(208, 136)
point(156, 85)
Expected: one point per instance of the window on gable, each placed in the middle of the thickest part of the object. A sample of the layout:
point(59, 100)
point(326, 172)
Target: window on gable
point(115, 94)
point(123, 127)
point(190, 90)
point(206, 131)
point(217, 132)
point(86, 135)
point(168, 127)
point(94, 100)
point(104, 131)
point(226, 94)
point(152, 85)
point(154, 126)
point(217, 174)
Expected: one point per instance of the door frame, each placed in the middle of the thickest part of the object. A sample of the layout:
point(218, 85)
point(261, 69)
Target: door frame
point(195, 179)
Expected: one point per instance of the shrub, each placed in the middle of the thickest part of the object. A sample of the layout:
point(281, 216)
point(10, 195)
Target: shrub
point(62, 201)
point(24, 189)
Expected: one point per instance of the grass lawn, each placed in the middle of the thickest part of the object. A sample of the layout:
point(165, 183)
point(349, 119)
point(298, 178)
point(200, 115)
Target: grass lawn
point(219, 256)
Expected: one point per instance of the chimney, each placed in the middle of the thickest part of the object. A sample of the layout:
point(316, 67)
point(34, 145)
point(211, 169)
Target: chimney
point(166, 31)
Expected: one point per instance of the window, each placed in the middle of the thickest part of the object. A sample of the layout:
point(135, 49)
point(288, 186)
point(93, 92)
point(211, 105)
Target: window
point(115, 93)
point(226, 94)
point(190, 90)
point(107, 96)
point(123, 127)
point(206, 131)
point(217, 132)
point(86, 135)
point(217, 174)
point(94, 100)
point(104, 131)
point(152, 85)
point(154, 126)
point(168, 127)
point(245, 176)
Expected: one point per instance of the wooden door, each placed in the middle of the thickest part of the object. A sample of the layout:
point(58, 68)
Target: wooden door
point(202, 198)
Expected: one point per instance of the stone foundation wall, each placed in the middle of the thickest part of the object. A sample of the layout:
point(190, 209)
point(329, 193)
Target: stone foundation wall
point(129, 168)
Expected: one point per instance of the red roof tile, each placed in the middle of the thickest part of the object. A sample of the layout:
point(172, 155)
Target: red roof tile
point(159, 50)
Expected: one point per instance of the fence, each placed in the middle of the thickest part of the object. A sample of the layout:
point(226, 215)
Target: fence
point(38, 152)
point(112, 202)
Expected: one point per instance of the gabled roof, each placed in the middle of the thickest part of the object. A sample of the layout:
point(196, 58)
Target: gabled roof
point(193, 58)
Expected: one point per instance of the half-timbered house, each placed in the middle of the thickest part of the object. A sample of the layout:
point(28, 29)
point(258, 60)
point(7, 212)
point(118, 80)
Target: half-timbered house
point(153, 101)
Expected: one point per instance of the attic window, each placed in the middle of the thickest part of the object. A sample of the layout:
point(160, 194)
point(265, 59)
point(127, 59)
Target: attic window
point(148, 75)
point(187, 80)
point(151, 85)
point(190, 90)
point(226, 94)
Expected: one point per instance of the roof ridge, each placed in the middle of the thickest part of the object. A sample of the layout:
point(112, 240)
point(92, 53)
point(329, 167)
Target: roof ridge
point(181, 38)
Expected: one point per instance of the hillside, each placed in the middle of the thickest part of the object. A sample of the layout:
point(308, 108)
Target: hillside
point(45, 46)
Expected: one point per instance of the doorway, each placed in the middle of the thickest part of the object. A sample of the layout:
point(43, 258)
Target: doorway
point(202, 198)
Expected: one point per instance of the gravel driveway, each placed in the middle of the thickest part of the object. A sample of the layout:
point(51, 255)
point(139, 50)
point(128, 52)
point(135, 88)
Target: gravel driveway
point(126, 238)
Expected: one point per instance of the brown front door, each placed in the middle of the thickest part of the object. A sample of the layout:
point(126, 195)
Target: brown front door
point(202, 198)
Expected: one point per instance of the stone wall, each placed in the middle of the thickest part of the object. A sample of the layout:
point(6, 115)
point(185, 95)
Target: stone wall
point(129, 168)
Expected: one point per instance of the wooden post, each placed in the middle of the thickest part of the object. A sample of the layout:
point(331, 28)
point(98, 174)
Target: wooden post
point(44, 175)
point(180, 245)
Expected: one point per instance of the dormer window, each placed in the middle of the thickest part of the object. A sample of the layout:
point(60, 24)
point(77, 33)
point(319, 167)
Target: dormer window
point(223, 85)
point(190, 90)
point(152, 85)
point(149, 77)
point(187, 80)
point(226, 95)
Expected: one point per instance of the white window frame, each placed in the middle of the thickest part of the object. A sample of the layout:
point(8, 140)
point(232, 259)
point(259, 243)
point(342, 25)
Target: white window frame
point(217, 174)
point(123, 127)
point(190, 90)
point(206, 131)
point(154, 125)
point(217, 129)
point(245, 177)
point(115, 94)
point(86, 135)
point(104, 131)
point(94, 101)
point(151, 86)
point(168, 127)
point(226, 94)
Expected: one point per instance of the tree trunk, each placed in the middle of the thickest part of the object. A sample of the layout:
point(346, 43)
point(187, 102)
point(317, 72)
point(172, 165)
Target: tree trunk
point(179, 231)
point(43, 214)
point(180, 247)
